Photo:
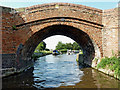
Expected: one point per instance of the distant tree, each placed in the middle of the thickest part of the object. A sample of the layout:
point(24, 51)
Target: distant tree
point(60, 46)
point(76, 46)
point(41, 46)
point(69, 46)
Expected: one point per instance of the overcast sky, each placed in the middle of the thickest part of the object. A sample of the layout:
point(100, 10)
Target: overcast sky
point(52, 41)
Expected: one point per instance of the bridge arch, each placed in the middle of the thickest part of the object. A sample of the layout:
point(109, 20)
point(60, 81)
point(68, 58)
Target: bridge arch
point(38, 18)
point(90, 48)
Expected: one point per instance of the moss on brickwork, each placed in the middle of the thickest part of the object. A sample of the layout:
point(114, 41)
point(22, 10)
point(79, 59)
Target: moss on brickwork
point(14, 27)
point(20, 9)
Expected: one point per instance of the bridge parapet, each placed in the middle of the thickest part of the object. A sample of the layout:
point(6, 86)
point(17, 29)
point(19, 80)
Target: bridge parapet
point(38, 12)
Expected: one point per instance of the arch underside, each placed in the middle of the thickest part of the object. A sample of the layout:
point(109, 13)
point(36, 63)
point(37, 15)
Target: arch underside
point(76, 34)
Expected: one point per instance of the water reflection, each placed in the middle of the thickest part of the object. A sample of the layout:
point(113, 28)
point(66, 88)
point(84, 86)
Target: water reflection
point(60, 71)
point(23, 80)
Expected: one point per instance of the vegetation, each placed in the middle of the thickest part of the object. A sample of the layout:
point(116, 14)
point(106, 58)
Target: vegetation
point(41, 50)
point(40, 47)
point(40, 54)
point(61, 46)
point(14, 27)
point(63, 50)
point(113, 63)
point(20, 9)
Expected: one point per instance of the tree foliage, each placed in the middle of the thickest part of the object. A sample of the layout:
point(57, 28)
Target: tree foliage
point(76, 46)
point(60, 45)
point(41, 46)
point(71, 46)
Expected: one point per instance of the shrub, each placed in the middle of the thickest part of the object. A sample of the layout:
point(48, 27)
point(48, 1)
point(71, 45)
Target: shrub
point(113, 63)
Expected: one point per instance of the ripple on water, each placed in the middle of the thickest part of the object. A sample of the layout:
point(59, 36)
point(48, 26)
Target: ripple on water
point(57, 71)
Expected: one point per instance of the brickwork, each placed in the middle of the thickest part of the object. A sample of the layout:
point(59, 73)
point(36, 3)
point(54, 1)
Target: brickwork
point(110, 32)
point(10, 60)
point(9, 20)
point(38, 12)
point(95, 30)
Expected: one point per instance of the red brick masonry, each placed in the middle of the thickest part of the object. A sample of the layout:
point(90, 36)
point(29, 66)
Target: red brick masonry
point(94, 29)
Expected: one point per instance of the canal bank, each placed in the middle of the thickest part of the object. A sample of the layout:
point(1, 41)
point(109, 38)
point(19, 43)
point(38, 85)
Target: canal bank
point(13, 71)
point(40, 54)
point(109, 66)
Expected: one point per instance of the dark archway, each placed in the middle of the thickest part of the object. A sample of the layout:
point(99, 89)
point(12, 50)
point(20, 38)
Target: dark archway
point(77, 35)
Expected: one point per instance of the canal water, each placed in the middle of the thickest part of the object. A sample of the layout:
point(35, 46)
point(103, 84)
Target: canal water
point(61, 71)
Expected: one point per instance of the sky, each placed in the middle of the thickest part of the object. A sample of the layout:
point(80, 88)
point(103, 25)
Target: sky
point(52, 41)
point(101, 4)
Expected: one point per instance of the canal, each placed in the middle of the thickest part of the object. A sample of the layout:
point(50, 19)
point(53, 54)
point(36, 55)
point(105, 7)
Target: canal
point(61, 71)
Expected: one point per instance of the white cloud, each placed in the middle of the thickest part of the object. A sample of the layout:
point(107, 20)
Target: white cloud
point(53, 40)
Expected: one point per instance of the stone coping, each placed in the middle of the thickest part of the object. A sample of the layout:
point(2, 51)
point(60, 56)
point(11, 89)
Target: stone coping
point(62, 4)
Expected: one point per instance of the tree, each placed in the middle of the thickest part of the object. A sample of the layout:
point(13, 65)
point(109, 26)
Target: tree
point(41, 46)
point(76, 46)
point(69, 46)
point(60, 46)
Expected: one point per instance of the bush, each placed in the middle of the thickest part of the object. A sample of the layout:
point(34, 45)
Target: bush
point(63, 50)
point(40, 54)
point(47, 49)
point(113, 63)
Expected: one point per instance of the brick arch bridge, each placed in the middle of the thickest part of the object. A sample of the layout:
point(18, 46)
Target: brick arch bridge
point(23, 31)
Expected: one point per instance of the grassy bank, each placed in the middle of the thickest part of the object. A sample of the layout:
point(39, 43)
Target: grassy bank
point(63, 50)
point(112, 63)
point(40, 54)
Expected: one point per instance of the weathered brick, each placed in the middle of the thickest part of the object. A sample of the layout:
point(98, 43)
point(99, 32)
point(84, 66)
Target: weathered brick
point(88, 26)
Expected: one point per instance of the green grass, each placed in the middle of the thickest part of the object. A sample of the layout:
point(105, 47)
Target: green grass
point(45, 52)
point(63, 50)
point(113, 63)
point(42, 53)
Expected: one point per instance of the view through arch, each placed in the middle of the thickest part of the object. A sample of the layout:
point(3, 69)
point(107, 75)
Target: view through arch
point(78, 35)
